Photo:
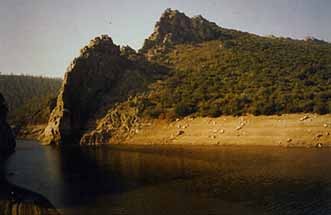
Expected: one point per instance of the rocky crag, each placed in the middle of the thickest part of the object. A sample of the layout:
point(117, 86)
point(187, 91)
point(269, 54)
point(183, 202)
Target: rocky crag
point(100, 77)
point(7, 139)
point(175, 27)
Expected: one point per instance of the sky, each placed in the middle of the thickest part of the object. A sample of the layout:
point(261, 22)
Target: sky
point(41, 37)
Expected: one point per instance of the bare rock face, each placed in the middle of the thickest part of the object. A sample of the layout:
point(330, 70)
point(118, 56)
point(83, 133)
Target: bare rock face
point(87, 79)
point(115, 126)
point(7, 139)
point(175, 27)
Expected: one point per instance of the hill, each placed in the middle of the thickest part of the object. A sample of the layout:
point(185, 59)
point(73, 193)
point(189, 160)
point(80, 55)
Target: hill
point(188, 66)
point(226, 72)
point(28, 97)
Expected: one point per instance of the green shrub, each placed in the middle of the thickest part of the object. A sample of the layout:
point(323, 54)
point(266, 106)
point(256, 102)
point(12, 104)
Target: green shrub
point(183, 109)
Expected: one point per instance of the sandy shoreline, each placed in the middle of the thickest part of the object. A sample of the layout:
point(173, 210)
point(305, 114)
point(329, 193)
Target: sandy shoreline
point(290, 130)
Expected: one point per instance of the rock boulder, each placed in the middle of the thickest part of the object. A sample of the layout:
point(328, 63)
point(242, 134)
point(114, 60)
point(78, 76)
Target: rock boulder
point(7, 139)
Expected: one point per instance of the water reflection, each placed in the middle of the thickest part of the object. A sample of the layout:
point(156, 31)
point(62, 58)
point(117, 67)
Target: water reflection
point(176, 180)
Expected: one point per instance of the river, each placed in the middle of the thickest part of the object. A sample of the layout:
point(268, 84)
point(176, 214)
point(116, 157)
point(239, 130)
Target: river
point(175, 180)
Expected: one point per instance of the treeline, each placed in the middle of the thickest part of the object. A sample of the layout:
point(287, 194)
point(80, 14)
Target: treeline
point(248, 74)
point(27, 96)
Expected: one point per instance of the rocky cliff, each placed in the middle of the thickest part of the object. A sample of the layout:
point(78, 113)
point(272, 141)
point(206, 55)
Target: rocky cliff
point(7, 140)
point(101, 76)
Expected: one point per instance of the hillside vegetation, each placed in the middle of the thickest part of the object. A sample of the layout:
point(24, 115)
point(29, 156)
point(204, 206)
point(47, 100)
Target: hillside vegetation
point(243, 73)
point(187, 66)
point(29, 97)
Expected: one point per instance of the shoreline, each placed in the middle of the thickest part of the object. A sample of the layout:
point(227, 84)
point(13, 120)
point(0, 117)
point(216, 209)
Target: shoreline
point(288, 130)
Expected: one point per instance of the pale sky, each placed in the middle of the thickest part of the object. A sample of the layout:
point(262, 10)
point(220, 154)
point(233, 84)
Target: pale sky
point(41, 37)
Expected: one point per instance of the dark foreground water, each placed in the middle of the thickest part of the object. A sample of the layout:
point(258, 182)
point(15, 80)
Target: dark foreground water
point(172, 180)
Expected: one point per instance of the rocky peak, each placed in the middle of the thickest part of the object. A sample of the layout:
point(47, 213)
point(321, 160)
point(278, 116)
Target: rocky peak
point(103, 44)
point(175, 27)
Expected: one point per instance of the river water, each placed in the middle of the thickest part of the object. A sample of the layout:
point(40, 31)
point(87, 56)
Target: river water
point(171, 180)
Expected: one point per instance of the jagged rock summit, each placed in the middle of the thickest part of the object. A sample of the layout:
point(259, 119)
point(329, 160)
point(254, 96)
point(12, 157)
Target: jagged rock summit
point(7, 139)
point(175, 27)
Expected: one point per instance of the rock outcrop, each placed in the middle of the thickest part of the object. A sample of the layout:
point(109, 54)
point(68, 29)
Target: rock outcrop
point(87, 79)
point(101, 76)
point(7, 139)
point(175, 27)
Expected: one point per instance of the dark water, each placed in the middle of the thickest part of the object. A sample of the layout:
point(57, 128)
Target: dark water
point(174, 180)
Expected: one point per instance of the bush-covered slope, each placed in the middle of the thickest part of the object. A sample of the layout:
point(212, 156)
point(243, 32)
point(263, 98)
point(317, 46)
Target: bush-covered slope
point(243, 73)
